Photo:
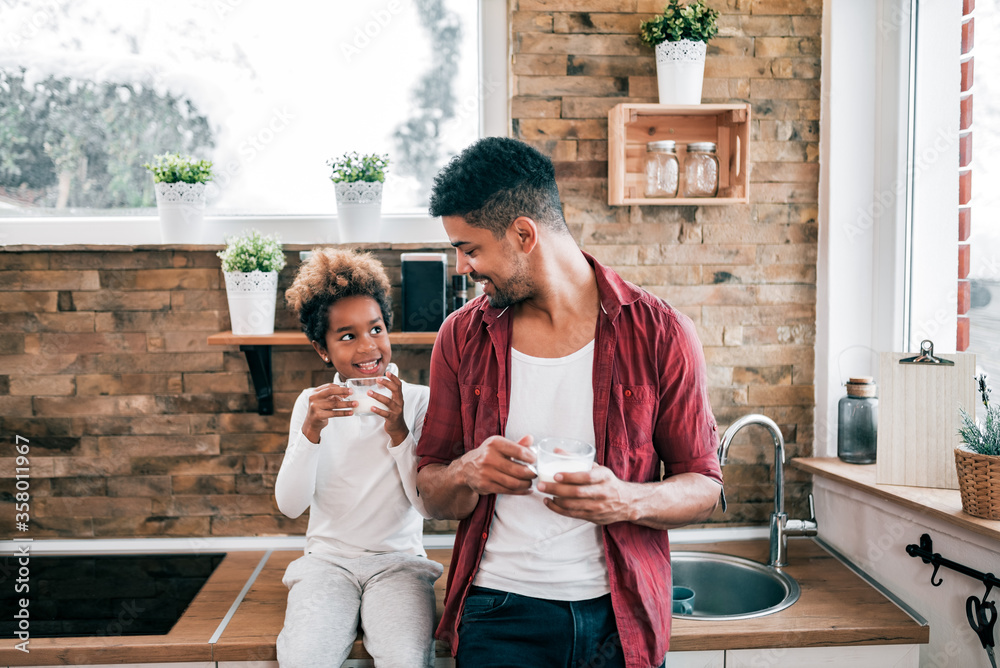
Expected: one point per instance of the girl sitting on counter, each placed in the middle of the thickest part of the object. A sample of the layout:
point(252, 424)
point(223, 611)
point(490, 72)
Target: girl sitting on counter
point(364, 558)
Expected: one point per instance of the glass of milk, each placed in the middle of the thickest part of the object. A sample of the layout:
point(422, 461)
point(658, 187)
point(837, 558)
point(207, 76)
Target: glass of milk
point(359, 392)
point(561, 455)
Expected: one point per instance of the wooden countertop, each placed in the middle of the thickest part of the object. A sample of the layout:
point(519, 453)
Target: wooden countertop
point(944, 504)
point(836, 608)
point(188, 640)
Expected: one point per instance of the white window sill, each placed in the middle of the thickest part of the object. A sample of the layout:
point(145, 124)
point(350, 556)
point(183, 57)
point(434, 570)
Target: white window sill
point(145, 230)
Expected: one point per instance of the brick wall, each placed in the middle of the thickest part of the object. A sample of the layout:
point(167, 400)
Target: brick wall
point(965, 175)
point(138, 427)
point(745, 274)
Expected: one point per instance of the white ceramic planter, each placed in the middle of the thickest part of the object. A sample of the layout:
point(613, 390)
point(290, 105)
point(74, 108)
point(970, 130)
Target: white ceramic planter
point(252, 296)
point(182, 212)
point(359, 211)
point(680, 71)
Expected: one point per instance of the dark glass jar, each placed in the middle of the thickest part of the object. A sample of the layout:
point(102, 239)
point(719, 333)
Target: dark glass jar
point(459, 287)
point(857, 422)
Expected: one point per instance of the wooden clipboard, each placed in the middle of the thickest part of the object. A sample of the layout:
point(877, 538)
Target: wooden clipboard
point(918, 416)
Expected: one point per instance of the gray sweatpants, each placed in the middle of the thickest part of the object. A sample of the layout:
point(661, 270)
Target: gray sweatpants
point(392, 595)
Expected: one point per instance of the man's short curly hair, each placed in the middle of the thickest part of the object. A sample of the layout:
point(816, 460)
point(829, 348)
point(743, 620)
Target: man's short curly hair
point(494, 181)
point(329, 275)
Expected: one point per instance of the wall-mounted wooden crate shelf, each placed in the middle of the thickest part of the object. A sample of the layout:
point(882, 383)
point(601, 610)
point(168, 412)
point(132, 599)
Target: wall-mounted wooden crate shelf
point(631, 126)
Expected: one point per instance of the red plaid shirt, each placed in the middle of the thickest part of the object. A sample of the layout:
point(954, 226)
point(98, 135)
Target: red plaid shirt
point(650, 406)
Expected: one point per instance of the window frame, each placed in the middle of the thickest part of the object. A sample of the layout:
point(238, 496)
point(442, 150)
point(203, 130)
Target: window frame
point(123, 229)
point(887, 251)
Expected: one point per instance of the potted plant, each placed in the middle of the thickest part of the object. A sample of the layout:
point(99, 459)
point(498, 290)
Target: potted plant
point(180, 181)
point(357, 181)
point(978, 460)
point(251, 263)
point(680, 36)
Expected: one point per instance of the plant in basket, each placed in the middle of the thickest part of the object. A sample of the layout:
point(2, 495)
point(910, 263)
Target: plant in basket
point(251, 263)
point(978, 460)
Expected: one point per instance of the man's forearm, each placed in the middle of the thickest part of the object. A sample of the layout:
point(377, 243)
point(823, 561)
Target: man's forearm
point(679, 500)
point(445, 494)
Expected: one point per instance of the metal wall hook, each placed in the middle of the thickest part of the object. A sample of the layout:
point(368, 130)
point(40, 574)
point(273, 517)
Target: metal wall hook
point(925, 551)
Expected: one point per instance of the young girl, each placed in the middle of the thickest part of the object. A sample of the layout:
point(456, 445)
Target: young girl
point(364, 557)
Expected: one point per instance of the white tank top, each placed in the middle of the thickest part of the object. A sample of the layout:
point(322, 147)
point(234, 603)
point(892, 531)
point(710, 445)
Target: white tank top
point(531, 550)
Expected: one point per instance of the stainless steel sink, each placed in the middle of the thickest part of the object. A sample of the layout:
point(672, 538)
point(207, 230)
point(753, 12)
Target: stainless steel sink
point(728, 588)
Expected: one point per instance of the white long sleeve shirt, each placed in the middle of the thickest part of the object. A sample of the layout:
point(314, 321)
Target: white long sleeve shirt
point(361, 491)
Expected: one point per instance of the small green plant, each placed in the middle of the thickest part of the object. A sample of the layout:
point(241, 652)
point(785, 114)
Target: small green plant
point(252, 251)
point(982, 437)
point(176, 168)
point(696, 21)
point(352, 167)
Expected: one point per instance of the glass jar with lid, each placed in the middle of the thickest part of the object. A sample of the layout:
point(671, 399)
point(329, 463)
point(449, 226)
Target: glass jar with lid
point(701, 170)
point(857, 422)
point(662, 172)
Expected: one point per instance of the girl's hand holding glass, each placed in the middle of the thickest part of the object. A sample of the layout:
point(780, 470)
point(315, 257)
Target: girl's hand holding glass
point(330, 400)
point(393, 407)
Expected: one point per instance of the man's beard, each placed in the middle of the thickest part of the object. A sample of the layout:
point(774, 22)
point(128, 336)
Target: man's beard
point(517, 288)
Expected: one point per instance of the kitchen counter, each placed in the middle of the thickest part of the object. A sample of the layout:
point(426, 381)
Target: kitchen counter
point(836, 608)
point(943, 504)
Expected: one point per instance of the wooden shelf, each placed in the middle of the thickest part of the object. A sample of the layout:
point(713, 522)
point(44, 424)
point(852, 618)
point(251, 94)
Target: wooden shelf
point(258, 352)
point(631, 126)
point(292, 337)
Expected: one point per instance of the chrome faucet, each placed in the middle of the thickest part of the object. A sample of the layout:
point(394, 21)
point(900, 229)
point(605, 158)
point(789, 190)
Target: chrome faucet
point(781, 526)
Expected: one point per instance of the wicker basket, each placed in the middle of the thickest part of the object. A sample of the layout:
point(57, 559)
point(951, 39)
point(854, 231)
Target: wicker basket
point(979, 483)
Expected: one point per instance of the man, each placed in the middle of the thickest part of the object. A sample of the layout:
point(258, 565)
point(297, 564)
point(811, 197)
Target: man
point(560, 346)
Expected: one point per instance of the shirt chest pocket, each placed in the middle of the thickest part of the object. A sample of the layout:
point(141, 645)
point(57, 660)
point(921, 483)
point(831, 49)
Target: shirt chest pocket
point(481, 412)
point(632, 415)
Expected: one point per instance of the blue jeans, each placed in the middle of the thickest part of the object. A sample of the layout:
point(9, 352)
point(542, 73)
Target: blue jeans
point(504, 630)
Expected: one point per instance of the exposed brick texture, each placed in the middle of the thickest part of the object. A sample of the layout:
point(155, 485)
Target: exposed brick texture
point(965, 176)
point(136, 425)
point(964, 297)
point(966, 67)
point(965, 113)
point(964, 187)
point(746, 274)
point(968, 35)
point(965, 149)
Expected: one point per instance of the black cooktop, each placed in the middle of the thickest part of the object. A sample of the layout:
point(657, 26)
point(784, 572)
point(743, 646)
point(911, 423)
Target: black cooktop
point(103, 595)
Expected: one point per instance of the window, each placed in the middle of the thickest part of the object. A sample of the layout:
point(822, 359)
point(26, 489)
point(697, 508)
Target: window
point(984, 242)
point(888, 249)
point(90, 90)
